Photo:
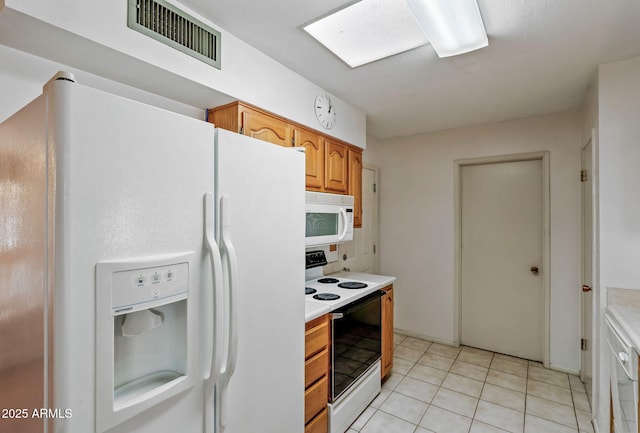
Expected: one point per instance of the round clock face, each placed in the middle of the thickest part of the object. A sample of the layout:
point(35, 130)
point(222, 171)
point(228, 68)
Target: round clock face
point(325, 111)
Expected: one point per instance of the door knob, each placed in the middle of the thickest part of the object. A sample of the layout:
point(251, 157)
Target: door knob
point(586, 288)
point(534, 270)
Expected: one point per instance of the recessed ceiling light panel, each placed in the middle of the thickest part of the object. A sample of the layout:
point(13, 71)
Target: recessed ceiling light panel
point(368, 30)
point(452, 26)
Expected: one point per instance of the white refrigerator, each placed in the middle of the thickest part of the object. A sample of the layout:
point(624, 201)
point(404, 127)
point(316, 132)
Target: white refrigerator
point(151, 271)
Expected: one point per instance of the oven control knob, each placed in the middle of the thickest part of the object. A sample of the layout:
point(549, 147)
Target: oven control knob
point(623, 356)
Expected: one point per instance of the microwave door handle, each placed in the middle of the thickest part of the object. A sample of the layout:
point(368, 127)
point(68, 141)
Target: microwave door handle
point(345, 226)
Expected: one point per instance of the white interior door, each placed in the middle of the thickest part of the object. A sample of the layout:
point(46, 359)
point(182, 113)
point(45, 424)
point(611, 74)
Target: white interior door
point(502, 294)
point(360, 255)
point(587, 265)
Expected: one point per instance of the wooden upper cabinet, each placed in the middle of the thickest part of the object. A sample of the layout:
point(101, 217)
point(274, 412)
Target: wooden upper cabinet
point(355, 184)
point(266, 128)
point(335, 169)
point(331, 165)
point(314, 154)
point(247, 120)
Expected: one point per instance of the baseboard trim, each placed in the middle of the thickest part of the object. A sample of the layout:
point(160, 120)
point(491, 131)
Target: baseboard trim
point(424, 337)
point(564, 370)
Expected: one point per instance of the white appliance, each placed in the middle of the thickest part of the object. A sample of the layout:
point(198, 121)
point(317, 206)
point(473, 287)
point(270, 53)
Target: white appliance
point(329, 218)
point(356, 340)
point(139, 288)
point(624, 378)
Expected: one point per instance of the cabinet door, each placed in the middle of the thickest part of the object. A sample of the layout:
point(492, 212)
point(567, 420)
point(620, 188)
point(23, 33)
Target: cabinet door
point(335, 170)
point(266, 128)
point(387, 331)
point(355, 184)
point(314, 154)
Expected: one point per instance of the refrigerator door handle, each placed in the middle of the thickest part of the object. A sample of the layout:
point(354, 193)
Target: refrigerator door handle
point(229, 254)
point(343, 214)
point(217, 311)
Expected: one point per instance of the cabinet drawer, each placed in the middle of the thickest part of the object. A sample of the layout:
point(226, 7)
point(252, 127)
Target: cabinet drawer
point(316, 367)
point(320, 424)
point(316, 339)
point(315, 399)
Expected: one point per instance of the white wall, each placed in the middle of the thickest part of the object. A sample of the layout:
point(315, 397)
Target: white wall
point(417, 222)
point(371, 156)
point(23, 75)
point(619, 159)
point(94, 37)
point(615, 112)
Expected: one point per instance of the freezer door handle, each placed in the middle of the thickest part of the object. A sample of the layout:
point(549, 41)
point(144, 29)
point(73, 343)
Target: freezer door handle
point(216, 336)
point(231, 290)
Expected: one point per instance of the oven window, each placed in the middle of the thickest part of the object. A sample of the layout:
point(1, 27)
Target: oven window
point(356, 343)
point(321, 224)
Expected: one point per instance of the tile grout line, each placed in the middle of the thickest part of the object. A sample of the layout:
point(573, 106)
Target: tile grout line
point(448, 371)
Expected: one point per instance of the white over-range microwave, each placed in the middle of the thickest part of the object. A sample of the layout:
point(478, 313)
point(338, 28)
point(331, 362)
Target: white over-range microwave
point(329, 218)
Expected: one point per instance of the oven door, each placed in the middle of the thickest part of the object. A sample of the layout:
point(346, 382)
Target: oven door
point(624, 380)
point(356, 337)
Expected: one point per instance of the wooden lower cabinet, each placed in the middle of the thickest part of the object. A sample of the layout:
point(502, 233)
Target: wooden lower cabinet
point(387, 331)
point(316, 374)
point(320, 424)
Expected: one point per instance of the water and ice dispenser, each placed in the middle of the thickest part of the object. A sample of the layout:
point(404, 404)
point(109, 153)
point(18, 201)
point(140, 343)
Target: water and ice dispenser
point(143, 330)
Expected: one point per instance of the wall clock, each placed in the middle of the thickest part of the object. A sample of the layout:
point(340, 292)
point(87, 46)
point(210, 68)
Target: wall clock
point(325, 111)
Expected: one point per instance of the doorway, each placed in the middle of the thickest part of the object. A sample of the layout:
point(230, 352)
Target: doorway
point(361, 254)
point(502, 255)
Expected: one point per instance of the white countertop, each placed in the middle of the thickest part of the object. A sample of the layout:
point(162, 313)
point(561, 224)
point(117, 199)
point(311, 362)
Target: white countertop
point(380, 280)
point(314, 309)
point(623, 305)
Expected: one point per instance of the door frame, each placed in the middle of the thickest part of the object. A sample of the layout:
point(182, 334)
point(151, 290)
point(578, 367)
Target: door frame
point(376, 206)
point(598, 299)
point(376, 232)
point(583, 331)
point(543, 157)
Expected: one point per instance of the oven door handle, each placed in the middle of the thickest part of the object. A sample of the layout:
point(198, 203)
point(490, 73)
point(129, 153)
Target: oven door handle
point(336, 316)
point(359, 302)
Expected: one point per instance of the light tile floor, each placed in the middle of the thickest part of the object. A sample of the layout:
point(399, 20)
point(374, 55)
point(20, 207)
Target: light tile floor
point(435, 388)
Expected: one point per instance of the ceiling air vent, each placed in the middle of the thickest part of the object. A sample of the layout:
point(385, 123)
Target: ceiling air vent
point(171, 26)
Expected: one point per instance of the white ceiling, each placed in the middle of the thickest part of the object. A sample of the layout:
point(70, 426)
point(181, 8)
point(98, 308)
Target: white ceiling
point(542, 55)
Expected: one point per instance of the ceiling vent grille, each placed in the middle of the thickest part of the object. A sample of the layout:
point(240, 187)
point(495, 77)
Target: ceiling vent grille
point(171, 26)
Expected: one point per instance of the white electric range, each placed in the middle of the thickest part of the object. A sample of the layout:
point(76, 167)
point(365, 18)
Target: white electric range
point(355, 308)
point(329, 290)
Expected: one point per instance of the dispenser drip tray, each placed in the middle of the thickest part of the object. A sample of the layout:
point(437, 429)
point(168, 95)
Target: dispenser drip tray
point(129, 393)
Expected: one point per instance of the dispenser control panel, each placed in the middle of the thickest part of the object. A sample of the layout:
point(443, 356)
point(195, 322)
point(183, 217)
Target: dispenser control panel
point(139, 289)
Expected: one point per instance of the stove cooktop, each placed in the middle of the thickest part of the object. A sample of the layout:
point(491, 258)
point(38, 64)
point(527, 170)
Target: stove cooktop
point(345, 291)
point(326, 296)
